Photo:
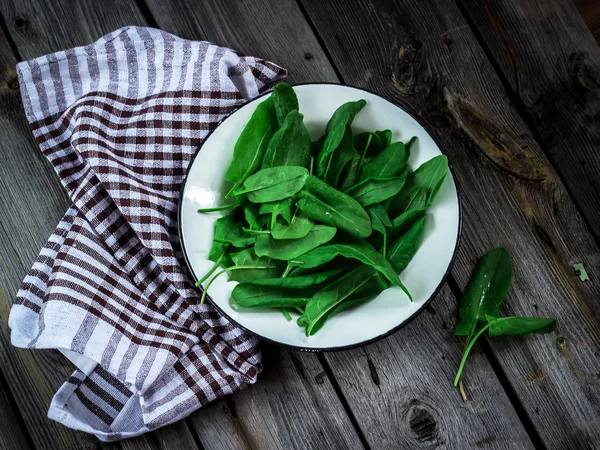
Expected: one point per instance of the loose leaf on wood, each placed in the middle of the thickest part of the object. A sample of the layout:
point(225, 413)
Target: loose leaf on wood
point(284, 100)
point(252, 144)
point(336, 127)
point(413, 197)
point(299, 227)
point(357, 249)
point(283, 208)
point(376, 190)
point(286, 249)
point(404, 248)
point(248, 257)
point(339, 159)
point(430, 176)
point(389, 163)
point(518, 326)
point(331, 296)
point(323, 203)
point(250, 295)
point(290, 145)
point(486, 290)
point(275, 183)
point(385, 136)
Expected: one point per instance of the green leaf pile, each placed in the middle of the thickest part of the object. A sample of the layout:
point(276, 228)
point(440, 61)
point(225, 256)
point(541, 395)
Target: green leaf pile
point(318, 227)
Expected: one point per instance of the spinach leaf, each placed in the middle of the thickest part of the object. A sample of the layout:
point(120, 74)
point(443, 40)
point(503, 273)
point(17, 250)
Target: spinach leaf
point(275, 183)
point(370, 289)
point(281, 208)
point(227, 229)
point(430, 176)
point(336, 127)
point(385, 136)
point(249, 258)
point(301, 282)
point(339, 159)
point(286, 249)
point(518, 326)
point(253, 217)
point(321, 202)
point(284, 100)
point(331, 296)
point(350, 174)
point(368, 144)
point(379, 218)
point(250, 295)
point(299, 227)
point(388, 163)
point(252, 144)
point(356, 249)
point(290, 145)
point(413, 197)
point(486, 291)
point(408, 146)
point(404, 248)
point(376, 190)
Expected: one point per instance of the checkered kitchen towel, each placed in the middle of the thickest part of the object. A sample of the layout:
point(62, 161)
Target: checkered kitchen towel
point(120, 120)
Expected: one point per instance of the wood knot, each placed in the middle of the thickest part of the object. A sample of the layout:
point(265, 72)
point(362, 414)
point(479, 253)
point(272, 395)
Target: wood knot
point(422, 423)
point(407, 72)
point(13, 84)
point(20, 21)
point(308, 56)
point(495, 143)
point(583, 73)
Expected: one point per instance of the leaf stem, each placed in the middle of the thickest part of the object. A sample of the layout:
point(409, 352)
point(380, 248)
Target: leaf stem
point(384, 243)
point(287, 271)
point(217, 208)
point(211, 271)
point(249, 231)
point(362, 158)
point(229, 269)
point(467, 351)
point(286, 314)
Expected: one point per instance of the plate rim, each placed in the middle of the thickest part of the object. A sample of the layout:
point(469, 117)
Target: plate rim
point(299, 347)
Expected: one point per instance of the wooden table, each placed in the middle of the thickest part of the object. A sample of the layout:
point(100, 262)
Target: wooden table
point(510, 90)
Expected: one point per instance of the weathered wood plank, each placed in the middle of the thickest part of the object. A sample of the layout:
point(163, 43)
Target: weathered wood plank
point(408, 379)
point(426, 59)
point(557, 85)
point(255, 31)
point(12, 434)
point(275, 31)
point(32, 202)
point(292, 406)
point(26, 179)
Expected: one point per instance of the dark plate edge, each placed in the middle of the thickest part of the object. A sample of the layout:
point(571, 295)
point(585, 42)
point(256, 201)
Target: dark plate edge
point(322, 349)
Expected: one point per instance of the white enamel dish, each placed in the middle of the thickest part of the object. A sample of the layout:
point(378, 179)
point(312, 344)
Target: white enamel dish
point(204, 187)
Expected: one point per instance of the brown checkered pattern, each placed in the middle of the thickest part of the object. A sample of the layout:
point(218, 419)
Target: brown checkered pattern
point(120, 120)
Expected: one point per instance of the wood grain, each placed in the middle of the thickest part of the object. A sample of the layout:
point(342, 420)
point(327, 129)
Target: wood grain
point(12, 434)
point(255, 31)
point(293, 406)
point(556, 78)
point(426, 59)
point(276, 31)
point(407, 378)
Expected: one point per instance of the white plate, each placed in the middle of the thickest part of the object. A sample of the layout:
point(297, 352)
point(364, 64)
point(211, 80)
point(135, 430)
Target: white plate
point(204, 187)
